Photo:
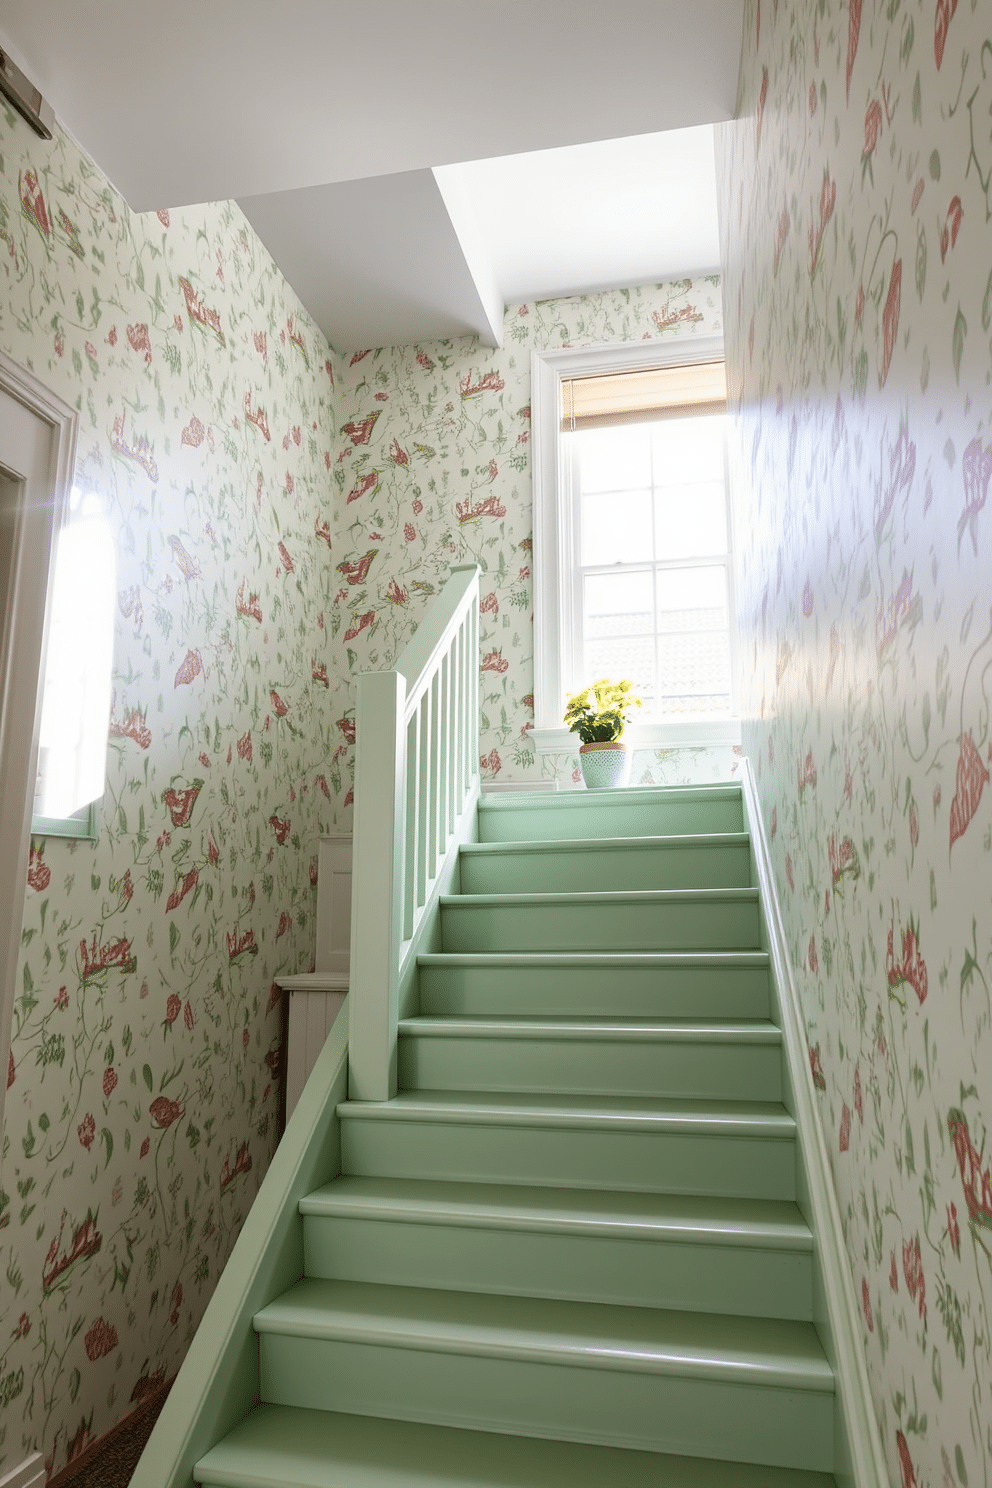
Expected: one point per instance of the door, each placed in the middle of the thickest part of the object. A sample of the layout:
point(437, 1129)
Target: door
point(37, 441)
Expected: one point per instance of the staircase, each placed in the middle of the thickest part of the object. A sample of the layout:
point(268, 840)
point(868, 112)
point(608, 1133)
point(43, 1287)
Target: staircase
point(567, 1252)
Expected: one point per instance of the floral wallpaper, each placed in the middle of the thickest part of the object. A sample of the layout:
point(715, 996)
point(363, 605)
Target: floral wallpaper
point(433, 469)
point(142, 1079)
point(856, 191)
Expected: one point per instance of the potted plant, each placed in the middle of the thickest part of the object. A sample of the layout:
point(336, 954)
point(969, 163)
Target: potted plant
point(599, 715)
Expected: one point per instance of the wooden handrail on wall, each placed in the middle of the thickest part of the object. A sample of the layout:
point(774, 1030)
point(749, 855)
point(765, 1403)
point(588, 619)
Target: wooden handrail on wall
point(416, 789)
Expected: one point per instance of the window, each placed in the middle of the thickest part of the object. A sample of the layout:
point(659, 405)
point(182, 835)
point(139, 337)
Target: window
point(632, 538)
point(72, 748)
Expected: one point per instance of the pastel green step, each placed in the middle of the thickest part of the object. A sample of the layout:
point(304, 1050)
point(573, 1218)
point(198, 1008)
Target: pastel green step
point(724, 984)
point(634, 812)
point(650, 920)
point(738, 1149)
point(739, 1389)
point(716, 861)
point(286, 1447)
point(595, 1056)
point(741, 1256)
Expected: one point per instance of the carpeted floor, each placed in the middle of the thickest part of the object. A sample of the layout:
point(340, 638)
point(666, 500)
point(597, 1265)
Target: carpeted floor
point(113, 1462)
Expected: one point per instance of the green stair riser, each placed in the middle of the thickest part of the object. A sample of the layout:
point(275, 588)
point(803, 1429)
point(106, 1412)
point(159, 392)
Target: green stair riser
point(658, 1412)
point(280, 1447)
point(684, 864)
point(728, 1071)
point(646, 1161)
point(743, 1280)
point(673, 924)
point(622, 989)
point(619, 814)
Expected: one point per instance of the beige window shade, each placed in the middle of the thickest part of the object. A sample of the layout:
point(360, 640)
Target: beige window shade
point(641, 397)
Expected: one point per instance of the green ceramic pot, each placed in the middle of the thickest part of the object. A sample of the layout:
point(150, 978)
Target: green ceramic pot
point(605, 766)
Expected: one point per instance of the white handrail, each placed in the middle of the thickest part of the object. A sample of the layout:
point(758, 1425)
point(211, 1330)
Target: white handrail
point(416, 775)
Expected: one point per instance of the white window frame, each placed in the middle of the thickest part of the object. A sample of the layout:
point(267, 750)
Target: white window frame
point(555, 605)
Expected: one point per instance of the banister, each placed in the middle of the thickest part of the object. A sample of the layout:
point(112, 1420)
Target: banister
point(416, 786)
point(430, 640)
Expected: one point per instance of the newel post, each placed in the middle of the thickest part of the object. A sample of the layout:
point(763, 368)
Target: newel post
point(377, 893)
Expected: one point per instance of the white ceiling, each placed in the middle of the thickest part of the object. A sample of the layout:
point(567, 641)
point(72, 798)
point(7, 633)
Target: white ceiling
point(326, 120)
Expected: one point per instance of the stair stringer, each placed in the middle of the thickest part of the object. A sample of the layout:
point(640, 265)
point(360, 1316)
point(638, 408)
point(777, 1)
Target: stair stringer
point(219, 1382)
point(859, 1460)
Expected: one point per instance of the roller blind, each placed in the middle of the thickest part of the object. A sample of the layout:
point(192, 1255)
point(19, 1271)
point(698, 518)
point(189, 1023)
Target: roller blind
point(642, 397)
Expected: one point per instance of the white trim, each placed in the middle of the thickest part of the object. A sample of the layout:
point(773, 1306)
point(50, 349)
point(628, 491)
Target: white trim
point(30, 1474)
point(848, 1359)
point(553, 557)
point(23, 637)
point(692, 734)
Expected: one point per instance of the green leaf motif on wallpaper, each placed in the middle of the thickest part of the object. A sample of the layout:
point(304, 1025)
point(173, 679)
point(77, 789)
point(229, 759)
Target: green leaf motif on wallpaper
point(987, 306)
point(959, 1464)
point(957, 343)
point(921, 261)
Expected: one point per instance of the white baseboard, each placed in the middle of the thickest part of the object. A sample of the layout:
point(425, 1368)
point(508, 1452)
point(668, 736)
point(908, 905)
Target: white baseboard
point(866, 1467)
point(30, 1474)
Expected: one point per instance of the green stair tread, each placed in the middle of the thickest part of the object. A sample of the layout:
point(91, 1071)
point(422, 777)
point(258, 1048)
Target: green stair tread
point(605, 844)
point(658, 1030)
point(596, 960)
point(639, 795)
point(705, 1346)
point(286, 1447)
point(761, 1223)
point(587, 898)
point(591, 1112)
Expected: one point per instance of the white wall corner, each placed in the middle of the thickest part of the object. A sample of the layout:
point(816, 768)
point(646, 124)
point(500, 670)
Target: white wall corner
point(470, 240)
point(860, 1432)
point(29, 1474)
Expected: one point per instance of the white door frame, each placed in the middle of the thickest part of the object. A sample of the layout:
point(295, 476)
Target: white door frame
point(23, 631)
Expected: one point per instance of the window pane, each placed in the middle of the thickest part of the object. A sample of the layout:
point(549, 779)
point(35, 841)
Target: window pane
point(694, 671)
point(689, 598)
point(614, 459)
point(616, 527)
point(690, 521)
point(623, 658)
point(689, 450)
point(693, 640)
point(618, 604)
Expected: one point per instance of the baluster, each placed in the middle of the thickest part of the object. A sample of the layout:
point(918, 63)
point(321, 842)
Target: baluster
point(433, 800)
point(413, 746)
point(423, 792)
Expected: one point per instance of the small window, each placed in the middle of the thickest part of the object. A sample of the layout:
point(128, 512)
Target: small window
point(633, 542)
point(72, 751)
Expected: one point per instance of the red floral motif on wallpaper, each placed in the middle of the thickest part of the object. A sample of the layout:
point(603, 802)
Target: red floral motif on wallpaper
point(208, 319)
point(942, 19)
point(86, 1241)
point(164, 1111)
point(972, 778)
point(357, 572)
point(952, 226)
point(853, 33)
point(912, 1270)
point(187, 885)
point(367, 483)
point(912, 967)
point(190, 669)
point(977, 1183)
point(180, 803)
point(114, 956)
point(100, 1340)
point(469, 511)
point(39, 874)
point(905, 1462)
point(362, 623)
point(360, 433)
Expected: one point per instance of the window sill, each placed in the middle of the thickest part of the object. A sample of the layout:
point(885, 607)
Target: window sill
point(685, 734)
